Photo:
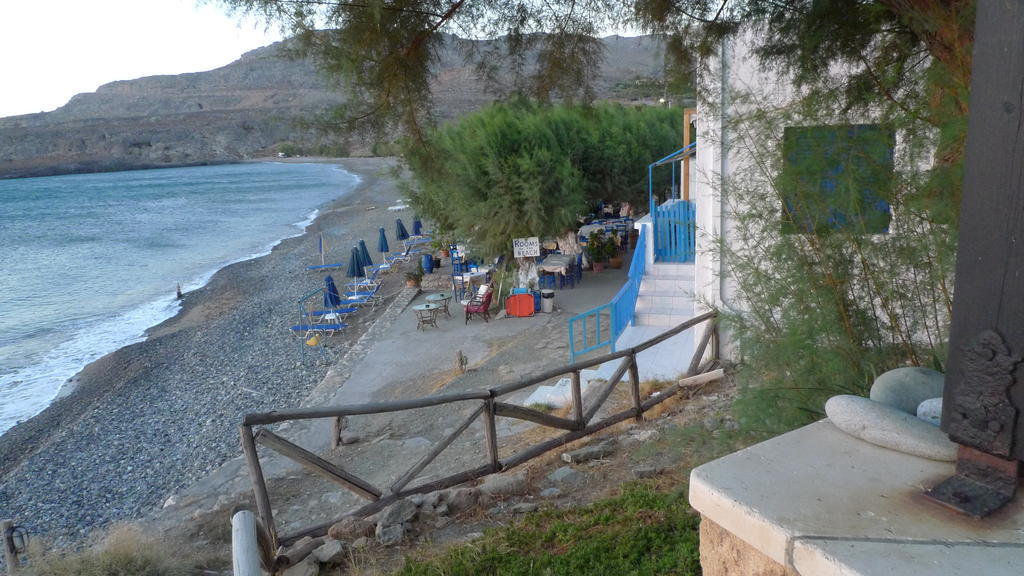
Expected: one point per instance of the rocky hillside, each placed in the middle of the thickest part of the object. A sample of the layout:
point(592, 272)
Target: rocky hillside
point(245, 109)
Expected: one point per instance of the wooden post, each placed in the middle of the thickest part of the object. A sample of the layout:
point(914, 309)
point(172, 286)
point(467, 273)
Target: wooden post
point(984, 393)
point(10, 556)
point(259, 484)
point(491, 430)
point(245, 554)
point(577, 398)
point(687, 139)
point(634, 381)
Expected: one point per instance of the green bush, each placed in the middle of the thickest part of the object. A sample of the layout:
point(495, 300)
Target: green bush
point(520, 169)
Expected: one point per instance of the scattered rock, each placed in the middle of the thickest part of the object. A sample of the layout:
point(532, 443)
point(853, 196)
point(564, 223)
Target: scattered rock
point(397, 513)
point(390, 535)
point(461, 499)
point(712, 423)
point(930, 411)
point(646, 471)
point(647, 435)
point(441, 509)
point(307, 567)
point(592, 452)
point(889, 427)
point(498, 485)
point(442, 521)
point(351, 528)
point(905, 388)
point(550, 493)
point(332, 552)
point(360, 543)
point(432, 499)
point(347, 438)
point(416, 499)
point(565, 475)
point(524, 508)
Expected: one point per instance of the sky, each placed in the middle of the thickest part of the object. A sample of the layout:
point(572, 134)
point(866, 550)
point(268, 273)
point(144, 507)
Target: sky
point(54, 49)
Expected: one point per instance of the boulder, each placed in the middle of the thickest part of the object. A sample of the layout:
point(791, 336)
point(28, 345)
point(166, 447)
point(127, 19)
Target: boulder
point(930, 411)
point(461, 499)
point(350, 528)
point(397, 513)
point(332, 552)
point(889, 427)
point(645, 471)
point(565, 476)
point(347, 438)
point(390, 535)
point(498, 485)
point(306, 567)
point(550, 493)
point(524, 508)
point(361, 542)
point(592, 452)
point(905, 388)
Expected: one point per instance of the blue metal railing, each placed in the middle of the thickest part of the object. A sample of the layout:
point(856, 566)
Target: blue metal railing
point(675, 232)
point(610, 320)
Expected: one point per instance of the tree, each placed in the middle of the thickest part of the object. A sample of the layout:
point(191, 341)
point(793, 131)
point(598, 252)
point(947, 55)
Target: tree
point(519, 169)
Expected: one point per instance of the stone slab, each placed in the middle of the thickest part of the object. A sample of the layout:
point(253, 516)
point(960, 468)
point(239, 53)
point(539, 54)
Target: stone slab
point(833, 502)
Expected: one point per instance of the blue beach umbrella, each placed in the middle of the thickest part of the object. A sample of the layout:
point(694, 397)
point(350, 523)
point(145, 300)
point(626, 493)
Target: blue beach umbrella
point(331, 297)
point(382, 242)
point(417, 227)
point(355, 270)
point(367, 261)
point(400, 231)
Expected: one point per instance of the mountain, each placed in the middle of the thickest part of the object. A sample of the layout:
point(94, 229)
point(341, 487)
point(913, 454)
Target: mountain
point(249, 108)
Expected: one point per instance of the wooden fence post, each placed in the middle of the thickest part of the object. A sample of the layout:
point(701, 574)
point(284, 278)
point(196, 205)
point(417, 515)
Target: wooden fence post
point(245, 552)
point(634, 381)
point(10, 555)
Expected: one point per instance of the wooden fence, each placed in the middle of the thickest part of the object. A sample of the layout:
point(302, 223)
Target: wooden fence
point(273, 549)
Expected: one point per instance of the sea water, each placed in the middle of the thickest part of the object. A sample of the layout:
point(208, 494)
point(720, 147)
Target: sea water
point(89, 262)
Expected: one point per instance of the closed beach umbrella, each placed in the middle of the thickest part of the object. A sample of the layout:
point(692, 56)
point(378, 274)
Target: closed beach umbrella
point(400, 231)
point(355, 270)
point(331, 297)
point(367, 261)
point(382, 242)
point(417, 227)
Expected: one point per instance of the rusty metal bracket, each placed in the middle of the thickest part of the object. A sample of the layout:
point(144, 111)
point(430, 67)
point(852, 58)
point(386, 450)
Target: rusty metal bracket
point(983, 483)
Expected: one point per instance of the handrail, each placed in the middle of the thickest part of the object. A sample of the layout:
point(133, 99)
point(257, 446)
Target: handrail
point(580, 424)
point(621, 309)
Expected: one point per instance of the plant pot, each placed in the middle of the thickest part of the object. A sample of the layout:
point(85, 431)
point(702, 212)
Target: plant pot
point(598, 266)
point(412, 284)
point(615, 262)
point(446, 253)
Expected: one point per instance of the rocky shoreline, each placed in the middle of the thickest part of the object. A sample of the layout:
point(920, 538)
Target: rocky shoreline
point(149, 419)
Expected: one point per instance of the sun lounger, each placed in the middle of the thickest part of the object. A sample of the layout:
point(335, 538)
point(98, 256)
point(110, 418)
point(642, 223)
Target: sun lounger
point(325, 266)
point(330, 328)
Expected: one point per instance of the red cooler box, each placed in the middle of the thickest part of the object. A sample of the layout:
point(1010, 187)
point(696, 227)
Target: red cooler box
point(519, 305)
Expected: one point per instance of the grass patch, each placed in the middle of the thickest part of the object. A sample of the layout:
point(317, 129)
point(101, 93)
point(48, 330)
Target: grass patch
point(641, 531)
point(124, 551)
point(542, 407)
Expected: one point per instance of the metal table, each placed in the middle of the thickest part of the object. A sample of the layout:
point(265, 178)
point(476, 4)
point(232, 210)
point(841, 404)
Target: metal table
point(443, 299)
point(426, 314)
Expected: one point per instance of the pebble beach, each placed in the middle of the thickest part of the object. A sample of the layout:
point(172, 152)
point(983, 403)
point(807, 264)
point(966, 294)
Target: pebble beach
point(149, 419)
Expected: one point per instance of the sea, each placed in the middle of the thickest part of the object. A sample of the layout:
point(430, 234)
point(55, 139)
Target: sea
point(89, 262)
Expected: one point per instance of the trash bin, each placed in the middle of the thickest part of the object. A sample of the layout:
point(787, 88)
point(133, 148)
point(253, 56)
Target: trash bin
point(547, 301)
point(428, 263)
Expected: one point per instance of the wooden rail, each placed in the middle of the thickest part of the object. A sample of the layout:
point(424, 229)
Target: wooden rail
point(579, 425)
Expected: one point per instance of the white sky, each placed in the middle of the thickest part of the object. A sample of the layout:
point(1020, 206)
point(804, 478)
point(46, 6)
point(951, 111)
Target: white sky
point(51, 50)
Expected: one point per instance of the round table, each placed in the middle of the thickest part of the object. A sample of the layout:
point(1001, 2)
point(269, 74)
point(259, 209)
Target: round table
point(441, 298)
point(426, 314)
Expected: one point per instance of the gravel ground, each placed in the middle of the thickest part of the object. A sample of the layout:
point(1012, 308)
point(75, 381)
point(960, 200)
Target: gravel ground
point(151, 418)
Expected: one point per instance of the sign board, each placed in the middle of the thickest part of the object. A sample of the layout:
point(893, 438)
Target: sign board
point(526, 247)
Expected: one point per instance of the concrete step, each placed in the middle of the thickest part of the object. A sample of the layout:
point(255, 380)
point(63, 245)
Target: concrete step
point(655, 319)
point(664, 285)
point(664, 304)
point(668, 269)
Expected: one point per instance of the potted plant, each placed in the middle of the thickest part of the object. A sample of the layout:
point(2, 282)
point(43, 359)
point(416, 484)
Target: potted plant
point(414, 278)
point(598, 249)
point(614, 258)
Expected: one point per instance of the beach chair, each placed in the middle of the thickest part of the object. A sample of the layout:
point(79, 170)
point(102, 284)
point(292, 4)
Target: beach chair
point(314, 320)
point(368, 297)
point(480, 304)
point(400, 258)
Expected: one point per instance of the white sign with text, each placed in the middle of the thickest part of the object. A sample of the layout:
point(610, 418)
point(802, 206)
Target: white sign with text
point(526, 247)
